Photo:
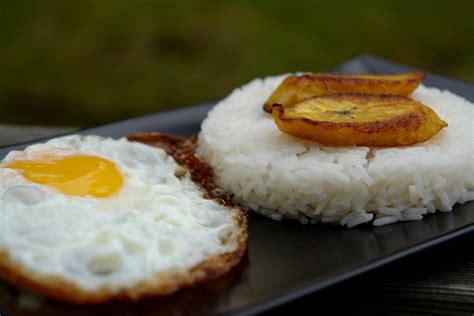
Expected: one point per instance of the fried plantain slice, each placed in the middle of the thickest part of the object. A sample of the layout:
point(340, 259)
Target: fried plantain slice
point(360, 120)
point(295, 89)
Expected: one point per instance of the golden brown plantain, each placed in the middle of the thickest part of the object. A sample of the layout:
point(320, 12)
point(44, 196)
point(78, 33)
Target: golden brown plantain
point(295, 89)
point(360, 120)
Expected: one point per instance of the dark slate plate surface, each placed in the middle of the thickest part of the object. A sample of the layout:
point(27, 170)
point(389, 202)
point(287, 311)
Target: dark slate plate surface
point(286, 260)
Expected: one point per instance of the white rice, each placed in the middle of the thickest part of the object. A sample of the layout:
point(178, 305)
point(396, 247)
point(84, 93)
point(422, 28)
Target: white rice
point(282, 176)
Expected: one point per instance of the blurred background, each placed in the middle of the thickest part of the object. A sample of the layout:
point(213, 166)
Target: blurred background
point(83, 63)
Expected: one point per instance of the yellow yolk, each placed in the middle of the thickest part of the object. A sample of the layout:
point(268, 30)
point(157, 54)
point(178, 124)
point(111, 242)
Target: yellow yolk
point(73, 175)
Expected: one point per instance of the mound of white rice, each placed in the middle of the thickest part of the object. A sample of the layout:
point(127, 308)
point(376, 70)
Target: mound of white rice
point(283, 176)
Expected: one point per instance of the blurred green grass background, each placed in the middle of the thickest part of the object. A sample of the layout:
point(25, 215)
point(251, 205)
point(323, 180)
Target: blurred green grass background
point(83, 63)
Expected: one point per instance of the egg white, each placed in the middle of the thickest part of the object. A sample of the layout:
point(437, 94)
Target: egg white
point(157, 221)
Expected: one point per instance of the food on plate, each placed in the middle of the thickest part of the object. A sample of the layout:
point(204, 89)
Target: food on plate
point(86, 219)
point(360, 120)
point(294, 89)
point(279, 176)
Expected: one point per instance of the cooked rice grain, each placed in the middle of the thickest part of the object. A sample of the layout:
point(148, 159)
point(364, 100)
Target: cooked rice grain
point(282, 176)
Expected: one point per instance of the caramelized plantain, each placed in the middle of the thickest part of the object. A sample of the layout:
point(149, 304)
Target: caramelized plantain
point(295, 89)
point(360, 120)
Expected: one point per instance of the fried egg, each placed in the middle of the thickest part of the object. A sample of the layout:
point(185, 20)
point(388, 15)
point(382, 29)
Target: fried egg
point(87, 219)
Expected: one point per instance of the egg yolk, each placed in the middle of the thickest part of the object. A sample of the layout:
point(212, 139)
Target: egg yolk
point(76, 175)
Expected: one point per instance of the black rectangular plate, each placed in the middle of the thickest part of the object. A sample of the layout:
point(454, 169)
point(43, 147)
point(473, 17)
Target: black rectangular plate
point(285, 260)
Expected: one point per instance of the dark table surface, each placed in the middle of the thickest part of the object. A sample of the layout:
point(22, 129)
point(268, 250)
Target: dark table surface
point(436, 281)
